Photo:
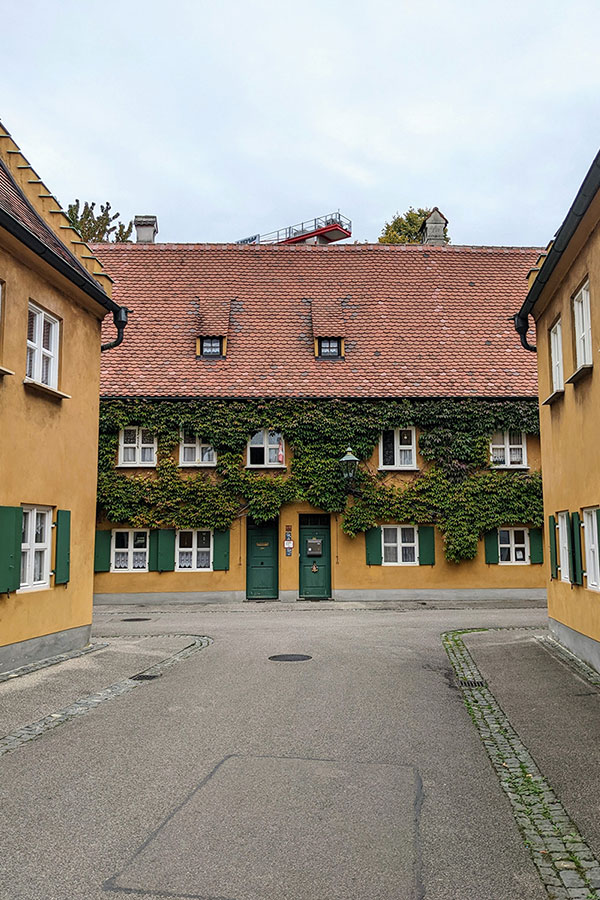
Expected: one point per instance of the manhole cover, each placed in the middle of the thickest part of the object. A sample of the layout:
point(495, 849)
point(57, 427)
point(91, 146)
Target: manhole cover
point(135, 620)
point(144, 677)
point(290, 657)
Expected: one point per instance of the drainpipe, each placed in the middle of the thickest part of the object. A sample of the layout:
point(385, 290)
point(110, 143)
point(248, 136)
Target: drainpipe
point(521, 324)
point(120, 320)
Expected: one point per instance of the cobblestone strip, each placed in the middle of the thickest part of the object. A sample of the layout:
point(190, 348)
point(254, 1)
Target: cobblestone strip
point(581, 668)
point(50, 661)
point(565, 863)
point(21, 736)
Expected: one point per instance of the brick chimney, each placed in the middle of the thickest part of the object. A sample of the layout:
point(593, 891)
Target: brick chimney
point(432, 229)
point(146, 229)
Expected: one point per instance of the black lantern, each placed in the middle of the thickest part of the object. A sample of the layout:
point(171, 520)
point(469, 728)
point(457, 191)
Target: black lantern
point(349, 465)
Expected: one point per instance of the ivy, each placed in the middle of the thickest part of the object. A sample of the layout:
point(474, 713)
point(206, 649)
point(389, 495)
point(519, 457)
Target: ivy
point(456, 491)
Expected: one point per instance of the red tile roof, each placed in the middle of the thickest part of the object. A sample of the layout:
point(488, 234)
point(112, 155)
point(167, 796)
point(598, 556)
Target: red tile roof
point(418, 320)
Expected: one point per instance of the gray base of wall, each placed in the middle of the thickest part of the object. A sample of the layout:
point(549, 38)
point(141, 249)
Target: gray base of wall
point(12, 656)
point(581, 645)
point(160, 597)
point(444, 595)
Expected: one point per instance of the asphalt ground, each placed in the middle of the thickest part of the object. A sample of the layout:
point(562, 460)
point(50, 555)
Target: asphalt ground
point(356, 774)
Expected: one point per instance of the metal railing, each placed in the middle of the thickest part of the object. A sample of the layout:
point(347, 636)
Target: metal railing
point(299, 230)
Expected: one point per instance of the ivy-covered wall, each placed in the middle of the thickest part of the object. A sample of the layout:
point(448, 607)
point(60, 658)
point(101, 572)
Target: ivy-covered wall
point(456, 491)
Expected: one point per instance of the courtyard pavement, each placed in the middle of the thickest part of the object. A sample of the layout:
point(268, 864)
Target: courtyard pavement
point(358, 773)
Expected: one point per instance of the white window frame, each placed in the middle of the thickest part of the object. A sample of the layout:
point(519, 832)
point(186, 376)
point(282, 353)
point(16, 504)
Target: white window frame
point(592, 557)
point(266, 432)
point(30, 547)
point(399, 543)
point(556, 357)
point(400, 447)
point(139, 446)
point(583, 326)
point(129, 550)
point(194, 567)
point(507, 446)
point(563, 547)
point(37, 353)
point(512, 561)
point(199, 445)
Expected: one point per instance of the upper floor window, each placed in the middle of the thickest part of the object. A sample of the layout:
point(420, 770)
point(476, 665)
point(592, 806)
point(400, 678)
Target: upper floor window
point(330, 347)
point(35, 547)
point(42, 346)
point(399, 545)
point(194, 551)
point(564, 545)
point(556, 358)
point(592, 559)
point(137, 447)
point(513, 546)
point(211, 346)
point(129, 550)
point(508, 449)
point(583, 327)
point(398, 449)
point(195, 451)
point(266, 448)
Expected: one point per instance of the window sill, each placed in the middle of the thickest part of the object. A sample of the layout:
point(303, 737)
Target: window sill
point(524, 563)
point(509, 468)
point(554, 396)
point(4, 371)
point(200, 465)
point(136, 465)
point(398, 469)
point(40, 388)
point(28, 588)
point(266, 466)
point(578, 374)
point(400, 564)
point(129, 571)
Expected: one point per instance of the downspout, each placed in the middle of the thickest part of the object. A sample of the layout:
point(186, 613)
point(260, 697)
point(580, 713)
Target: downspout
point(120, 320)
point(521, 324)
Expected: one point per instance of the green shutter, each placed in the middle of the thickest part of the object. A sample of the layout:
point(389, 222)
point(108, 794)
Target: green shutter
point(536, 547)
point(491, 547)
point(62, 565)
point(373, 546)
point(426, 545)
point(11, 527)
point(220, 551)
point(102, 551)
point(161, 552)
point(553, 555)
point(569, 547)
point(577, 574)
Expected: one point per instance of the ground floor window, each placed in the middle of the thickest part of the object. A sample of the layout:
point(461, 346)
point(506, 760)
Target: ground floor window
point(564, 527)
point(129, 550)
point(35, 547)
point(513, 546)
point(399, 545)
point(194, 551)
point(590, 531)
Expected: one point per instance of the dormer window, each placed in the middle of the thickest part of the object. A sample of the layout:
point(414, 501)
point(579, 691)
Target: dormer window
point(211, 346)
point(330, 348)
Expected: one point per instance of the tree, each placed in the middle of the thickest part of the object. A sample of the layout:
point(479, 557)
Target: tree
point(405, 229)
point(95, 227)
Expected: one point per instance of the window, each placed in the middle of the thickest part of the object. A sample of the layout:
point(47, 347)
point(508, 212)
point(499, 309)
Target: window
point(330, 347)
point(266, 448)
point(195, 451)
point(397, 449)
point(137, 447)
point(556, 360)
point(513, 546)
point(509, 449)
point(42, 347)
point(211, 346)
point(590, 533)
point(129, 550)
point(194, 551)
point(564, 545)
point(399, 545)
point(583, 328)
point(35, 547)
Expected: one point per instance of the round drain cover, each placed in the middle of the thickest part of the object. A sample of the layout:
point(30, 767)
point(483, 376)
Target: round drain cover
point(135, 620)
point(290, 657)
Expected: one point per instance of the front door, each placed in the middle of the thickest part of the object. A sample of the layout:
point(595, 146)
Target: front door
point(261, 567)
point(315, 557)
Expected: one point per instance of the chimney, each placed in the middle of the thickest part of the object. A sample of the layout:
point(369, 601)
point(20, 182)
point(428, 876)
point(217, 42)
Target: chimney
point(146, 229)
point(432, 229)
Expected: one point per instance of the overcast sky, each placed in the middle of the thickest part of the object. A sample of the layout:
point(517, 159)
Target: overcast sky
point(226, 119)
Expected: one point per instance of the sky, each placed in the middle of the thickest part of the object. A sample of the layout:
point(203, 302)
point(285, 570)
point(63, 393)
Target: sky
point(233, 118)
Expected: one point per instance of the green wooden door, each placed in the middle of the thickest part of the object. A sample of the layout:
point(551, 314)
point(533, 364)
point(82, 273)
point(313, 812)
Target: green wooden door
point(315, 557)
point(262, 577)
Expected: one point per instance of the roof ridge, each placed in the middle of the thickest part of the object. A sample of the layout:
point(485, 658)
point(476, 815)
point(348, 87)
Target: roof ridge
point(311, 248)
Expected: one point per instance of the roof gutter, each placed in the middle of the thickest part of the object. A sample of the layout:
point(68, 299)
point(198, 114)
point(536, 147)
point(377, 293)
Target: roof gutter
point(581, 203)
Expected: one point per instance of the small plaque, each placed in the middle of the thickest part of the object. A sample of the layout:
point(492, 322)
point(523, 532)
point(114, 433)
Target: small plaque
point(288, 545)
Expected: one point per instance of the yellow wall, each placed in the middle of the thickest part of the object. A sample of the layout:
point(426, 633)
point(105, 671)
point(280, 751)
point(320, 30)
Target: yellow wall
point(570, 427)
point(49, 447)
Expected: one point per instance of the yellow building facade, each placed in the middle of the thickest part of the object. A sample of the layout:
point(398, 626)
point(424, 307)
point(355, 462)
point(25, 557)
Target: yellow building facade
point(53, 297)
point(564, 300)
